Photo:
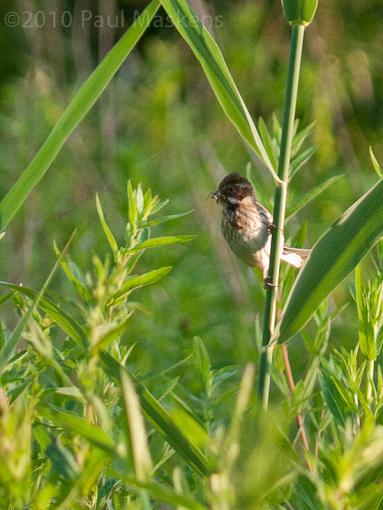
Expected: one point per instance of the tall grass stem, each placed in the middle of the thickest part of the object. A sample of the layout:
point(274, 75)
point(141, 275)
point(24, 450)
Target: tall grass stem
point(370, 380)
point(279, 212)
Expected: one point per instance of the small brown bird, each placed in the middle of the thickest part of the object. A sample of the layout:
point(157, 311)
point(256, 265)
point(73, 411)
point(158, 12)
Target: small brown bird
point(247, 225)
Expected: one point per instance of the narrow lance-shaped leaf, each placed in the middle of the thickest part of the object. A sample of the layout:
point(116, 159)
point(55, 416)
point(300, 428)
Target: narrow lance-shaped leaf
point(135, 433)
point(136, 281)
point(105, 227)
point(133, 213)
point(365, 322)
point(10, 346)
point(299, 161)
point(333, 258)
point(87, 477)
point(202, 362)
point(69, 325)
point(210, 57)
point(165, 493)
point(163, 219)
point(80, 105)
point(375, 164)
point(73, 274)
point(162, 241)
point(162, 421)
point(311, 195)
point(78, 425)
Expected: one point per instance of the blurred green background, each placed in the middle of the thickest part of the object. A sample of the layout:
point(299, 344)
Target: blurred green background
point(159, 123)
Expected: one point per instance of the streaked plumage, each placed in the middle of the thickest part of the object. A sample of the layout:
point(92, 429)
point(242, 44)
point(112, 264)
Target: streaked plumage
point(246, 225)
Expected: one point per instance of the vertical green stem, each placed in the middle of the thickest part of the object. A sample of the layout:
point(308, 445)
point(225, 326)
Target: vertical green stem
point(370, 380)
point(280, 210)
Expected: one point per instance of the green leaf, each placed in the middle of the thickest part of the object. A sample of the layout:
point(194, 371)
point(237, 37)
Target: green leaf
point(375, 164)
point(210, 57)
point(268, 142)
point(70, 326)
point(202, 361)
point(301, 160)
point(163, 219)
point(300, 138)
point(78, 425)
point(369, 300)
point(111, 332)
point(105, 227)
point(162, 421)
point(73, 274)
point(72, 392)
point(11, 344)
point(305, 495)
point(366, 346)
point(162, 241)
point(332, 259)
point(80, 105)
point(136, 281)
point(311, 195)
point(62, 458)
point(133, 213)
point(136, 434)
point(166, 494)
point(333, 398)
point(95, 462)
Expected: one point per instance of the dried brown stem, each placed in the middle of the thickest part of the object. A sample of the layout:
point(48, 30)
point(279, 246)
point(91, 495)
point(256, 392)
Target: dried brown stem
point(299, 417)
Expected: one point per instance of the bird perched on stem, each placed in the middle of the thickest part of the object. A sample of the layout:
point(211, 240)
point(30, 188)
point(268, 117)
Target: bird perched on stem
point(247, 225)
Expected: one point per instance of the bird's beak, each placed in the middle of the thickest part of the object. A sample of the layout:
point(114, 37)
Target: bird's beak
point(216, 195)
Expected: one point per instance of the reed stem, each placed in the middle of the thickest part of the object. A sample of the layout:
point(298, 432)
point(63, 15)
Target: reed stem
point(370, 380)
point(279, 212)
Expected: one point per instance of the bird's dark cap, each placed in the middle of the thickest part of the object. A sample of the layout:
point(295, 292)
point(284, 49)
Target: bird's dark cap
point(235, 184)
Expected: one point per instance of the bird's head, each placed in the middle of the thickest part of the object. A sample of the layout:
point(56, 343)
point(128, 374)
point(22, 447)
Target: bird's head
point(233, 189)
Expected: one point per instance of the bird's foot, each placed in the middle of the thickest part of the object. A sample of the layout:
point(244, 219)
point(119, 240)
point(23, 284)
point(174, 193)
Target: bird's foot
point(269, 283)
point(271, 228)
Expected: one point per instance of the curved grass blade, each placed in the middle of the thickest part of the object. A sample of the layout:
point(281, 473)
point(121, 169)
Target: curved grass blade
point(165, 494)
point(162, 241)
point(95, 462)
point(311, 195)
point(375, 164)
point(332, 258)
point(80, 105)
point(105, 227)
point(163, 219)
point(136, 281)
point(299, 161)
point(162, 421)
point(135, 433)
point(11, 344)
point(74, 275)
point(78, 425)
point(70, 326)
point(211, 59)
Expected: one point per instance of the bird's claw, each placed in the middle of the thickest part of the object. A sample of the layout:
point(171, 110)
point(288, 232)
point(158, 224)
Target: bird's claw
point(271, 228)
point(269, 283)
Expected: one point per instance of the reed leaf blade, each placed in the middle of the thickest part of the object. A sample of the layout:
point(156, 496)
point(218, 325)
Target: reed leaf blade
point(332, 259)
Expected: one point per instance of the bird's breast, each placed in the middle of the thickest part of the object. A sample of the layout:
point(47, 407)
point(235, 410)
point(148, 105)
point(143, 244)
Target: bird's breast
point(246, 232)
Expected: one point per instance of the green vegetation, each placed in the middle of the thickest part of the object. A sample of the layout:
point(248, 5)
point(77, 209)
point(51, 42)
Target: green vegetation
point(129, 369)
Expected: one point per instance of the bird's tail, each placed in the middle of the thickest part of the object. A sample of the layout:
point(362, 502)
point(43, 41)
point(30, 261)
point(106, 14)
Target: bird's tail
point(294, 256)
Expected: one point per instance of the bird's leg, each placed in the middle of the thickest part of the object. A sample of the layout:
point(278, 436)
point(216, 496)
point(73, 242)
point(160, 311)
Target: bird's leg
point(268, 282)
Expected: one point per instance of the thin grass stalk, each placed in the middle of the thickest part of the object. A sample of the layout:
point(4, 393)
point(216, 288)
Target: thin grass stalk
point(279, 212)
point(370, 380)
point(299, 417)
